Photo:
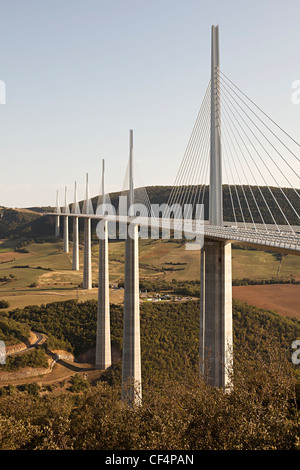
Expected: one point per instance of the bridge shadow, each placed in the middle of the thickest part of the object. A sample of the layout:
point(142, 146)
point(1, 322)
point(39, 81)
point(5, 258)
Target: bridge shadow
point(73, 367)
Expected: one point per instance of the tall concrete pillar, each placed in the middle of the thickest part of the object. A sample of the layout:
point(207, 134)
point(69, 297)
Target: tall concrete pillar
point(216, 285)
point(57, 218)
point(66, 234)
point(66, 224)
point(202, 314)
point(103, 345)
point(216, 313)
point(131, 366)
point(215, 188)
point(57, 226)
point(87, 255)
point(75, 257)
point(75, 210)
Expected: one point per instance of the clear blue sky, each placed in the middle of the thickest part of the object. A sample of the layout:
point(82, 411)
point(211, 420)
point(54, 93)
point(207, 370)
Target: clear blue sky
point(81, 73)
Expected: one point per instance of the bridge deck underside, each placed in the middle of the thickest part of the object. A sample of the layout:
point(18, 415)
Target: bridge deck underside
point(265, 237)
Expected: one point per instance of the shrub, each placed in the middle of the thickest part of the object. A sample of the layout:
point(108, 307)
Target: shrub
point(78, 384)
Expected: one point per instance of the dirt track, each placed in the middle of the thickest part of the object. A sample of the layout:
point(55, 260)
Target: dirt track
point(62, 370)
point(281, 298)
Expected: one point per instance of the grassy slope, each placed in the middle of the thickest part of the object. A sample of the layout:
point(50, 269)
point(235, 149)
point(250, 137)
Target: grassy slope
point(246, 263)
point(155, 256)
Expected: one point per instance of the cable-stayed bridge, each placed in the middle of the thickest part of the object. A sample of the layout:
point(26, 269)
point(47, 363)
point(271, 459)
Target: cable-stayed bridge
point(242, 170)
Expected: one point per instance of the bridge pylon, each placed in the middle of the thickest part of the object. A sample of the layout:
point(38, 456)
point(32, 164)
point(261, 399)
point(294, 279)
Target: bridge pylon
point(131, 362)
point(216, 283)
point(75, 252)
point(103, 358)
point(66, 225)
point(87, 250)
point(57, 217)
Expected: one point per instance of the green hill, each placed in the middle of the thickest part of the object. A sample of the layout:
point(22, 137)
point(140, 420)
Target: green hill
point(16, 223)
point(32, 222)
point(13, 332)
point(179, 411)
point(169, 331)
point(242, 196)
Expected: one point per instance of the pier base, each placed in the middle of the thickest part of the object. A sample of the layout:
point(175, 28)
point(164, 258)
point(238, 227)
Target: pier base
point(216, 313)
point(103, 345)
point(131, 372)
point(57, 226)
point(75, 258)
point(87, 262)
point(66, 234)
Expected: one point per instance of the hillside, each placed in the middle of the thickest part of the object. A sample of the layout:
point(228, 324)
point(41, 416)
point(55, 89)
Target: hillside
point(16, 223)
point(13, 332)
point(179, 411)
point(38, 271)
point(30, 223)
point(169, 331)
point(241, 195)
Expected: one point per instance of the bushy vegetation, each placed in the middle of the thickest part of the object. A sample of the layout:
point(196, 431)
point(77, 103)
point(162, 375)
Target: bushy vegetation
point(18, 223)
point(13, 332)
point(255, 282)
point(179, 410)
point(6, 280)
point(35, 358)
point(72, 322)
point(75, 323)
point(78, 384)
point(258, 414)
point(188, 288)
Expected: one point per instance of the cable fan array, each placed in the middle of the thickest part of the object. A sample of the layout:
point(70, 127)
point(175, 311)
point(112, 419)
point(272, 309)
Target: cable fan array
point(260, 166)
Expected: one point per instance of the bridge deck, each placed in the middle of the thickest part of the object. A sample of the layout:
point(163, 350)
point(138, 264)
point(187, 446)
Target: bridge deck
point(281, 238)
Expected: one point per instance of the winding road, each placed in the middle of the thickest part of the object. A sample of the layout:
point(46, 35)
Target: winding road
point(40, 339)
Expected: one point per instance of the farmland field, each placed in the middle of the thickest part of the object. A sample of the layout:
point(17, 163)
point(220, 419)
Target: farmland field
point(44, 273)
point(284, 299)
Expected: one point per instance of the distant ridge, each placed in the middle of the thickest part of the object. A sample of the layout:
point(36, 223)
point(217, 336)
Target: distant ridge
point(32, 222)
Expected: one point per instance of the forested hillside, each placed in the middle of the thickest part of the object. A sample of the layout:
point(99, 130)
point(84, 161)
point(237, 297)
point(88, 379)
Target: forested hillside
point(24, 223)
point(29, 223)
point(179, 411)
point(13, 332)
point(241, 197)
point(169, 331)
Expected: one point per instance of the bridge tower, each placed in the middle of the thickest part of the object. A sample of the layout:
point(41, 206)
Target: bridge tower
point(57, 217)
point(131, 363)
point(66, 224)
point(75, 252)
point(87, 253)
point(216, 283)
point(103, 344)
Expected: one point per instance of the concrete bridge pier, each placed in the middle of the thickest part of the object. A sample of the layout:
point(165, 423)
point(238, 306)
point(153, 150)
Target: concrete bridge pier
point(57, 226)
point(66, 234)
point(57, 217)
point(87, 261)
point(66, 224)
point(103, 345)
point(131, 366)
point(75, 257)
point(216, 313)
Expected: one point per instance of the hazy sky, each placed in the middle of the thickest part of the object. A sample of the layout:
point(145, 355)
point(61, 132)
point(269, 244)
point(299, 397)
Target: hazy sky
point(80, 73)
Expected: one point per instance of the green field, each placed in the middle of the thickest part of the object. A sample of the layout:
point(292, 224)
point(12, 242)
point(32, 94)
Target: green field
point(156, 257)
point(44, 274)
